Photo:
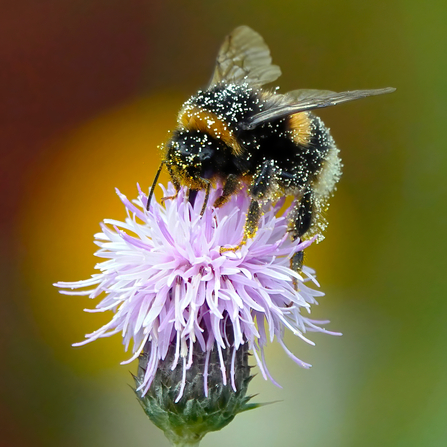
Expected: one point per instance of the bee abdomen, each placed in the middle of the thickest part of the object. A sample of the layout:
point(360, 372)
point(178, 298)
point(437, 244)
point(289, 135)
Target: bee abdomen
point(329, 162)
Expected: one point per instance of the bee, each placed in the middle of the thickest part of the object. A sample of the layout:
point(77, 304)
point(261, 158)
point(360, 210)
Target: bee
point(237, 132)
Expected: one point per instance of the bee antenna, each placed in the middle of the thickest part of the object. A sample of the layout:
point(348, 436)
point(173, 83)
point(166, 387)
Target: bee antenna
point(151, 192)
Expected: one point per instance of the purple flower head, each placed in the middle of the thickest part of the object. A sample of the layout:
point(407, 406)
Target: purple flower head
point(168, 284)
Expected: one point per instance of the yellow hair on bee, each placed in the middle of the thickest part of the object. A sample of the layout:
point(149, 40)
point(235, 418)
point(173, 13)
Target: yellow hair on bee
point(300, 127)
point(195, 118)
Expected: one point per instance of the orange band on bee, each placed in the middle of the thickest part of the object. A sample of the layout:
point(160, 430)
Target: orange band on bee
point(300, 126)
point(194, 118)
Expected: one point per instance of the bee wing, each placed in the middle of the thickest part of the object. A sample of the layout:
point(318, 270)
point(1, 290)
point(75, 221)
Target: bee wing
point(244, 56)
point(303, 100)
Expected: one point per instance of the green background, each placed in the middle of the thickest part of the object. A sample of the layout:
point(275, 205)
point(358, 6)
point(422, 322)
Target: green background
point(89, 88)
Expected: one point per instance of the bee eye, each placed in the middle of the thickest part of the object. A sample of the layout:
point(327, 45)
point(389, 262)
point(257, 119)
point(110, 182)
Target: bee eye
point(205, 153)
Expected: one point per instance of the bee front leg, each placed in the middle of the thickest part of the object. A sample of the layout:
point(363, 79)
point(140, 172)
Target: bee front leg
point(231, 185)
point(175, 182)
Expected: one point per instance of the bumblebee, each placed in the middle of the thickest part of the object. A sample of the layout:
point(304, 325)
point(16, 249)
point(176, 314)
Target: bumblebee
point(237, 132)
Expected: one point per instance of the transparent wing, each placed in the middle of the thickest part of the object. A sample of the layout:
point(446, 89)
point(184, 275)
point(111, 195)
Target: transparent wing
point(302, 100)
point(307, 94)
point(244, 56)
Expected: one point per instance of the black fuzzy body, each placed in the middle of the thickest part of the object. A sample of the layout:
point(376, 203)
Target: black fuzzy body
point(296, 165)
point(267, 158)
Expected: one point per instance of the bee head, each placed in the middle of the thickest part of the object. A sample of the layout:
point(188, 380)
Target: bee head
point(193, 156)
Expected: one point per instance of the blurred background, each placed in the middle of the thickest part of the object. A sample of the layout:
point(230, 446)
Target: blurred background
point(89, 88)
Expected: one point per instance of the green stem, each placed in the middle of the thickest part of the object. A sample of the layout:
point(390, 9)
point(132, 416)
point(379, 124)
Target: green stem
point(183, 440)
point(185, 444)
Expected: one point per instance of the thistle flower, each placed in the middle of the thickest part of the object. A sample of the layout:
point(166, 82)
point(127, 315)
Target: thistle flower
point(178, 299)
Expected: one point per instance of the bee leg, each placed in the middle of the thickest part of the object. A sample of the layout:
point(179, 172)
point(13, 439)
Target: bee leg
point(303, 215)
point(264, 180)
point(301, 225)
point(163, 199)
point(175, 183)
point(250, 228)
point(251, 224)
point(259, 190)
point(207, 196)
point(230, 187)
point(297, 260)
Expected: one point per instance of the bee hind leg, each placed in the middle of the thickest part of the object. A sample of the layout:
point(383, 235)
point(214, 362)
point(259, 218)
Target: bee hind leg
point(304, 212)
